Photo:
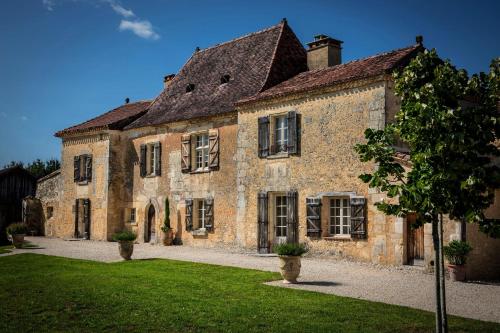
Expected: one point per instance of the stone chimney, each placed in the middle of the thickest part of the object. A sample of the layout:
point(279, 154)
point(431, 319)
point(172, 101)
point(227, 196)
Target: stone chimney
point(324, 52)
point(167, 80)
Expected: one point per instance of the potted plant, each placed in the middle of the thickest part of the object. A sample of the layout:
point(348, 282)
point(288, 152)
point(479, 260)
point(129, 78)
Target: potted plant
point(456, 253)
point(125, 240)
point(289, 254)
point(17, 231)
point(168, 232)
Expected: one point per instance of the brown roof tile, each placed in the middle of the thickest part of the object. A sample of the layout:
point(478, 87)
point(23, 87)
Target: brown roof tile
point(354, 70)
point(254, 62)
point(114, 119)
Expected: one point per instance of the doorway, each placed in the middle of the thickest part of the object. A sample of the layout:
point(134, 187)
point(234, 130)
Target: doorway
point(150, 234)
point(280, 219)
point(415, 242)
point(82, 218)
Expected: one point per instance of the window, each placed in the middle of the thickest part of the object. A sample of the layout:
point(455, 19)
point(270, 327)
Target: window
point(201, 149)
point(82, 168)
point(225, 78)
point(150, 159)
point(189, 87)
point(340, 216)
point(281, 134)
point(132, 215)
point(201, 214)
point(50, 212)
point(281, 216)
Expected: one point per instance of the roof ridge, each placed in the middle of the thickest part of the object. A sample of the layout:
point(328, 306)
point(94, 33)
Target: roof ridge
point(242, 37)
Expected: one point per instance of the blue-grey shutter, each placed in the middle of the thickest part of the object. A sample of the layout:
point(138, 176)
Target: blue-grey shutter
point(293, 133)
point(291, 217)
point(76, 168)
point(88, 168)
point(76, 218)
point(213, 151)
point(157, 148)
point(209, 214)
point(263, 223)
point(263, 136)
point(189, 214)
point(86, 218)
point(186, 153)
point(142, 160)
point(358, 217)
point(313, 208)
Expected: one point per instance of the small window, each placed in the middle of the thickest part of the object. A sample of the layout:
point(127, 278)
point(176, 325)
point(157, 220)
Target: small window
point(132, 215)
point(281, 134)
point(281, 216)
point(201, 214)
point(340, 216)
point(82, 168)
point(189, 87)
point(201, 151)
point(50, 212)
point(225, 78)
point(151, 160)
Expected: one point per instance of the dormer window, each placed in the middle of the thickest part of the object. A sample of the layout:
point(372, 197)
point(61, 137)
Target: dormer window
point(225, 78)
point(189, 87)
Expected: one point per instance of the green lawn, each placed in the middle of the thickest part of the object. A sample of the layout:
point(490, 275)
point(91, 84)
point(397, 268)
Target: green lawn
point(41, 293)
point(6, 249)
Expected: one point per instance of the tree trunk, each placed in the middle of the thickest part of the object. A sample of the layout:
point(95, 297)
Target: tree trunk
point(442, 277)
point(437, 237)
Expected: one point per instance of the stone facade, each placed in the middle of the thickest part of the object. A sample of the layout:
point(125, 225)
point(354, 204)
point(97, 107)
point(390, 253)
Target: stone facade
point(48, 191)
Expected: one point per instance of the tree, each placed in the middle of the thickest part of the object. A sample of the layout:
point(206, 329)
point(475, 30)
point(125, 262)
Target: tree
point(38, 168)
point(450, 123)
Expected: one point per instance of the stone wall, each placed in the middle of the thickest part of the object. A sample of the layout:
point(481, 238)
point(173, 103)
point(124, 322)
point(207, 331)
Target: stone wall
point(48, 191)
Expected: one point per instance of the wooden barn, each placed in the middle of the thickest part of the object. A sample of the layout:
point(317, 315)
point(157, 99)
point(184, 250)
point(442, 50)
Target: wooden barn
point(15, 184)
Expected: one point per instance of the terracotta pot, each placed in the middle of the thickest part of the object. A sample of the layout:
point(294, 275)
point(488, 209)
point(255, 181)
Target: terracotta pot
point(126, 249)
point(290, 268)
point(168, 237)
point(18, 241)
point(457, 272)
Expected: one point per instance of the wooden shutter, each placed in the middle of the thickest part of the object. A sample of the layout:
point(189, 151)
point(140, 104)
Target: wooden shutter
point(186, 153)
point(157, 148)
point(291, 217)
point(263, 137)
point(189, 214)
point(293, 133)
point(213, 152)
point(86, 217)
point(142, 160)
point(76, 168)
point(209, 214)
point(358, 217)
point(313, 207)
point(88, 168)
point(76, 217)
point(263, 223)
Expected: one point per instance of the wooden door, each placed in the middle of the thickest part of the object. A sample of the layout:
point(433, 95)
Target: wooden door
point(150, 229)
point(415, 243)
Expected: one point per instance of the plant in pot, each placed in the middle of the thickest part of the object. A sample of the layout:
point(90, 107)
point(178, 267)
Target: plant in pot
point(125, 241)
point(168, 232)
point(456, 253)
point(17, 231)
point(289, 254)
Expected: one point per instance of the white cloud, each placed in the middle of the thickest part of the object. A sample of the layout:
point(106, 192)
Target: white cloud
point(142, 28)
point(120, 10)
point(48, 4)
point(24, 118)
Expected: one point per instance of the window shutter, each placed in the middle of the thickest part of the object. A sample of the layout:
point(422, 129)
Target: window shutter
point(293, 133)
point(76, 168)
point(76, 217)
point(189, 214)
point(358, 217)
point(142, 160)
point(313, 206)
point(263, 137)
point(213, 152)
point(88, 168)
point(209, 214)
point(86, 217)
point(263, 223)
point(186, 153)
point(157, 148)
point(291, 217)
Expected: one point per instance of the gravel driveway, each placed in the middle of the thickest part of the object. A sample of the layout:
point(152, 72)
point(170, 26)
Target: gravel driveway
point(401, 286)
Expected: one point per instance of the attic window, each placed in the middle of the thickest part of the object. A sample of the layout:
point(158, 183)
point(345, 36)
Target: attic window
point(190, 87)
point(225, 78)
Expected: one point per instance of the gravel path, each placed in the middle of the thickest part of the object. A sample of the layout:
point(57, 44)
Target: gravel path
point(401, 286)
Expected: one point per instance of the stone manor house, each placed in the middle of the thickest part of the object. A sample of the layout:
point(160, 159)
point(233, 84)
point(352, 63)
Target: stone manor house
point(251, 143)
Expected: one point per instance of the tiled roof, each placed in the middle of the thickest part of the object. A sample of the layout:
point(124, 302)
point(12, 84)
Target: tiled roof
point(254, 62)
point(114, 119)
point(354, 70)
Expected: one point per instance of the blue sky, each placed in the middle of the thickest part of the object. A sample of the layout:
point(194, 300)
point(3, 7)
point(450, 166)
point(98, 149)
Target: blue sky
point(65, 61)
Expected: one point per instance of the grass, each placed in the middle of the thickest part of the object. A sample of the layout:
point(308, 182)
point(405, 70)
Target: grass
point(41, 293)
point(6, 249)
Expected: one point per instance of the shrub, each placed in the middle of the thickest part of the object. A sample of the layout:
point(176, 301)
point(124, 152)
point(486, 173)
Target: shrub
point(124, 236)
point(17, 229)
point(456, 252)
point(166, 223)
point(290, 249)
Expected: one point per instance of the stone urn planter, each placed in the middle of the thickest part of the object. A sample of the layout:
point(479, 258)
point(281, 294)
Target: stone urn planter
point(290, 255)
point(17, 231)
point(168, 237)
point(125, 241)
point(126, 249)
point(18, 240)
point(456, 253)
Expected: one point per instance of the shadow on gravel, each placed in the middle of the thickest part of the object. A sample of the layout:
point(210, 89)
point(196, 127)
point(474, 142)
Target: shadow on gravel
point(319, 283)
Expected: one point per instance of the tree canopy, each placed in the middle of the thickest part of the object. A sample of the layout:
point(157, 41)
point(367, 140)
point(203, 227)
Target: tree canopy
point(37, 168)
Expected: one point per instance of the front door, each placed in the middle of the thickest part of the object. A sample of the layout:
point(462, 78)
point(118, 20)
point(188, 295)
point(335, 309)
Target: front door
point(415, 243)
point(150, 229)
point(280, 219)
point(82, 218)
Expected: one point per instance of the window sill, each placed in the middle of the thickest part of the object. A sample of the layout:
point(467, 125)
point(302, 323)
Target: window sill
point(83, 182)
point(278, 156)
point(134, 224)
point(200, 232)
point(346, 238)
point(151, 176)
point(200, 171)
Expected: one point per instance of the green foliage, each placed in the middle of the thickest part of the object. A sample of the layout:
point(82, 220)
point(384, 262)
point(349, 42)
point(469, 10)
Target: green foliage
point(37, 168)
point(125, 235)
point(166, 223)
point(17, 229)
point(456, 252)
point(450, 123)
point(290, 249)
point(52, 294)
